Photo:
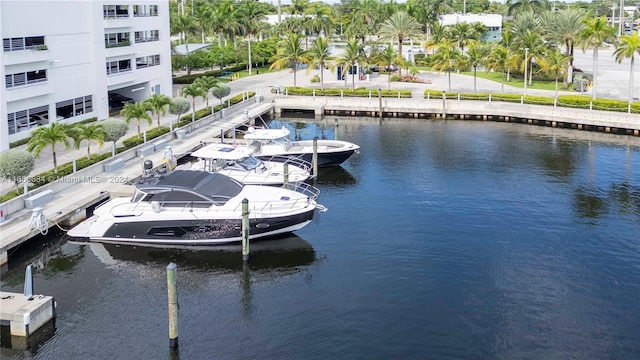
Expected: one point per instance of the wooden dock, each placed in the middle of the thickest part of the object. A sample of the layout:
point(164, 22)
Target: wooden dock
point(69, 198)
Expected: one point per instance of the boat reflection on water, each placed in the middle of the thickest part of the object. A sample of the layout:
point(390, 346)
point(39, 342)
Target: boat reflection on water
point(289, 252)
point(334, 176)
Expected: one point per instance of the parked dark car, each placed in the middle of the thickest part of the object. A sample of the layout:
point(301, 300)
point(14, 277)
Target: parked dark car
point(117, 101)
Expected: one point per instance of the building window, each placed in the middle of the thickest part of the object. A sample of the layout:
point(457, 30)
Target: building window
point(145, 10)
point(120, 66)
point(74, 107)
point(26, 78)
point(115, 11)
point(146, 61)
point(23, 43)
point(27, 119)
point(116, 40)
point(146, 36)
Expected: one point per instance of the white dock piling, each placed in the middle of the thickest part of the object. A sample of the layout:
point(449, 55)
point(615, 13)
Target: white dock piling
point(172, 293)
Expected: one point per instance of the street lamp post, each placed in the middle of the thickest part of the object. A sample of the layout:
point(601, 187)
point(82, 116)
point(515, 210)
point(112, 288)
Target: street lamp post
point(526, 65)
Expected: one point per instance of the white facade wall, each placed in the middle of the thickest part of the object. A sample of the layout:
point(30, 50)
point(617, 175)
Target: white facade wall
point(75, 60)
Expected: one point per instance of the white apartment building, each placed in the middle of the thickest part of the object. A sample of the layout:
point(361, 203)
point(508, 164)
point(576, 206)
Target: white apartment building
point(63, 60)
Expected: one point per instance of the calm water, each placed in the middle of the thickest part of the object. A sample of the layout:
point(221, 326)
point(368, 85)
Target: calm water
point(443, 240)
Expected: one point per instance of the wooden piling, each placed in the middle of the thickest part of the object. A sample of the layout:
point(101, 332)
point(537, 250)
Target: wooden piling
point(335, 131)
point(315, 156)
point(286, 175)
point(172, 293)
point(245, 230)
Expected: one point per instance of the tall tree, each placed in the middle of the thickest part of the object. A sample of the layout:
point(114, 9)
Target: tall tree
point(555, 62)
point(626, 47)
point(352, 56)
point(518, 6)
point(446, 58)
point(184, 25)
point(398, 28)
point(498, 60)
point(158, 104)
point(532, 41)
point(463, 33)
point(89, 132)
point(139, 111)
point(290, 53)
point(320, 55)
point(51, 135)
point(253, 12)
point(386, 58)
point(476, 56)
point(194, 90)
point(595, 32)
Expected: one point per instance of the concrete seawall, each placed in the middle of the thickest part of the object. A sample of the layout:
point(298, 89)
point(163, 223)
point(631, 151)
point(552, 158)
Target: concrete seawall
point(596, 120)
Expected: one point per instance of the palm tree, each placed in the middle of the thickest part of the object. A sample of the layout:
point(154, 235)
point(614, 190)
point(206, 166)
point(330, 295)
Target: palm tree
point(446, 58)
point(252, 13)
point(498, 60)
point(203, 16)
point(463, 33)
point(53, 134)
point(627, 47)
point(518, 6)
point(158, 104)
point(290, 53)
point(184, 26)
point(476, 55)
point(508, 41)
point(595, 32)
point(353, 53)
point(138, 111)
point(563, 28)
point(386, 58)
point(320, 55)
point(194, 90)
point(320, 21)
point(89, 132)
point(208, 83)
point(399, 27)
point(439, 34)
point(533, 41)
point(556, 62)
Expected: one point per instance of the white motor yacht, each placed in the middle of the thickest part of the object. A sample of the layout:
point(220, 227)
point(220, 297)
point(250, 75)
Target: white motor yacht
point(197, 208)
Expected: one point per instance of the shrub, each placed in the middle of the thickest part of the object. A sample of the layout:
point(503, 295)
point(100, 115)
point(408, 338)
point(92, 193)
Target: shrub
point(395, 77)
point(315, 79)
point(16, 164)
point(581, 81)
point(151, 134)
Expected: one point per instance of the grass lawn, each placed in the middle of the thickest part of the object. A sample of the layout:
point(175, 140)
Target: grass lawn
point(254, 71)
point(516, 82)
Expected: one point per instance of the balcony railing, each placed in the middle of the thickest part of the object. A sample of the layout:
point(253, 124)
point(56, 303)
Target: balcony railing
point(117, 44)
point(147, 39)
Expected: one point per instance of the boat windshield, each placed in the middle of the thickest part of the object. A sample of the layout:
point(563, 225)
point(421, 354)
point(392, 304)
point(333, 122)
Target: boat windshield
point(282, 141)
point(250, 162)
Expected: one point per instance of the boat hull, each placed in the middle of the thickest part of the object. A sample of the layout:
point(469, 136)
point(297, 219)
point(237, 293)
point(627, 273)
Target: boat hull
point(334, 158)
point(193, 231)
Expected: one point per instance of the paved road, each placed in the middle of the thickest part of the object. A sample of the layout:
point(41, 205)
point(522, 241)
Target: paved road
point(615, 86)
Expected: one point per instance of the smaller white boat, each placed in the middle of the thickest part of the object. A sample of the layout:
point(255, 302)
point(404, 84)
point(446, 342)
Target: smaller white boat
point(275, 142)
point(238, 162)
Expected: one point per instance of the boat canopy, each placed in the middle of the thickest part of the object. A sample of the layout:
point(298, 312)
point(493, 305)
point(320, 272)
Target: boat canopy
point(215, 187)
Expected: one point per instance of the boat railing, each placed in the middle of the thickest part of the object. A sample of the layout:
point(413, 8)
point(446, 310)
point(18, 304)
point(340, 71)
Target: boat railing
point(293, 161)
point(308, 190)
point(275, 207)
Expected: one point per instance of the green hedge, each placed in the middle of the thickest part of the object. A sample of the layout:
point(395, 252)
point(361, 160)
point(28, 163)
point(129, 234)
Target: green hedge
point(186, 119)
point(66, 169)
point(188, 79)
point(151, 134)
point(573, 101)
point(359, 92)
